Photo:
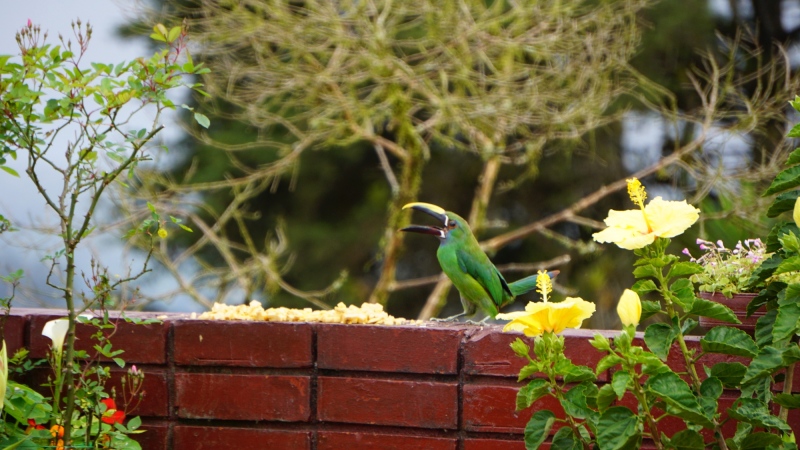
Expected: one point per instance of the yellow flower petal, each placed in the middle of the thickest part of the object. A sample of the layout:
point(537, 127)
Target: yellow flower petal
point(670, 218)
point(796, 212)
point(630, 230)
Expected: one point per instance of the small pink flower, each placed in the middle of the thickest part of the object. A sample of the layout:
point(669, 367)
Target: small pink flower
point(29, 23)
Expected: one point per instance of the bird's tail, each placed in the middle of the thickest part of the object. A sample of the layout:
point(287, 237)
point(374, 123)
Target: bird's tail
point(527, 284)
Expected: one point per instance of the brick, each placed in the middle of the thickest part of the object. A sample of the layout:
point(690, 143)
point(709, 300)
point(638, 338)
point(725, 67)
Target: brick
point(420, 404)
point(14, 333)
point(186, 437)
point(492, 408)
point(143, 344)
point(499, 444)
point(243, 344)
point(155, 437)
point(488, 351)
point(389, 349)
point(243, 397)
point(336, 440)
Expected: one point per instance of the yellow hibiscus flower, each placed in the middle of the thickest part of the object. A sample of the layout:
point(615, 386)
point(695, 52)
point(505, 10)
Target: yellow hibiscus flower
point(548, 316)
point(634, 229)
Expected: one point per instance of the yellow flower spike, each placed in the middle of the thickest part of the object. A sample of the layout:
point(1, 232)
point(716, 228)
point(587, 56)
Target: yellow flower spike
point(551, 317)
point(544, 285)
point(638, 195)
point(636, 192)
point(796, 212)
point(629, 308)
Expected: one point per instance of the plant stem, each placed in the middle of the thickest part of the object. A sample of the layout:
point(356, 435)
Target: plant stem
point(687, 355)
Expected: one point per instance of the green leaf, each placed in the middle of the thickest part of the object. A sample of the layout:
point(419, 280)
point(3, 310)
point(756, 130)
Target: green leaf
point(729, 341)
point(764, 328)
point(791, 401)
point(729, 373)
point(714, 310)
point(574, 403)
point(607, 362)
point(769, 359)
point(678, 397)
point(531, 392)
point(760, 441)
point(783, 202)
point(202, 120)
point(650, 308)
point(711, 388)
point(646, 271)
point(158, 37)
point(565, 439)
point(618, 428)
point(659, 338)
point(577, 374)
point(684, 293)
point(174, 32)
point(10, 171)
point(794, 132)
point(794, 157)
point(605, 397)
point(120, 362)
point(538, 428)
point(642, 287)
point(619, 382)
point(757, 413)
point(527, 371)
point(687, 440)
point(785, 325)
point(684, 268)
point(134, 423)
point(773, 243)
point(788, 265)
point(786, 179)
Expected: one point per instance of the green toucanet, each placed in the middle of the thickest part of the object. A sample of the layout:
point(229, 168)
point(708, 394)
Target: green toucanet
point(478, 281)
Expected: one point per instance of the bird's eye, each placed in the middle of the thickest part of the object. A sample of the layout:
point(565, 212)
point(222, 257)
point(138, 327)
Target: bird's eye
point(451, 225)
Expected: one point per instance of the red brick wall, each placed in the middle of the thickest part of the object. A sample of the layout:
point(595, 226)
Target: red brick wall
point(241, 385)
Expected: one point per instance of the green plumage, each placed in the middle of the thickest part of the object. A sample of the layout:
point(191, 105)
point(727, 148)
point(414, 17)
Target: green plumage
point(478, 281)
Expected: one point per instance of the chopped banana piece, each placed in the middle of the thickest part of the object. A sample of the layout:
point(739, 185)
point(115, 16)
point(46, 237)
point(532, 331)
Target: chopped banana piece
point(368, 313)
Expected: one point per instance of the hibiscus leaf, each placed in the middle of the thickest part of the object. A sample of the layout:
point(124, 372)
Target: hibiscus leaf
point(786, 179)
point(684, 268)
point(785, 324)
point(650, 308)
point(538, 428)
point(782, 203)
point(714, 310)
point(618, 429)
point(730, 374)
point(678, 397)
point(659, 338)
point(729, 341)
point(531, 392)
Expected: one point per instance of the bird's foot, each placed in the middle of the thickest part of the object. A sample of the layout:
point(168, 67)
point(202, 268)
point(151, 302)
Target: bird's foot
point(481, 322)
point(447, 319)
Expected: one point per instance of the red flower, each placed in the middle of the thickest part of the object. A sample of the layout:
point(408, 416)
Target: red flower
point(32, 423)
point(112, 414)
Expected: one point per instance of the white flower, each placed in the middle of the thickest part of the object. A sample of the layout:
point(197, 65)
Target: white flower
point(56, 330)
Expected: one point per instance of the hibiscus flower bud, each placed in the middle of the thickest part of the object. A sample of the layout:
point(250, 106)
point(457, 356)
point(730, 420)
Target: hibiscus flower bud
point(629, 308)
